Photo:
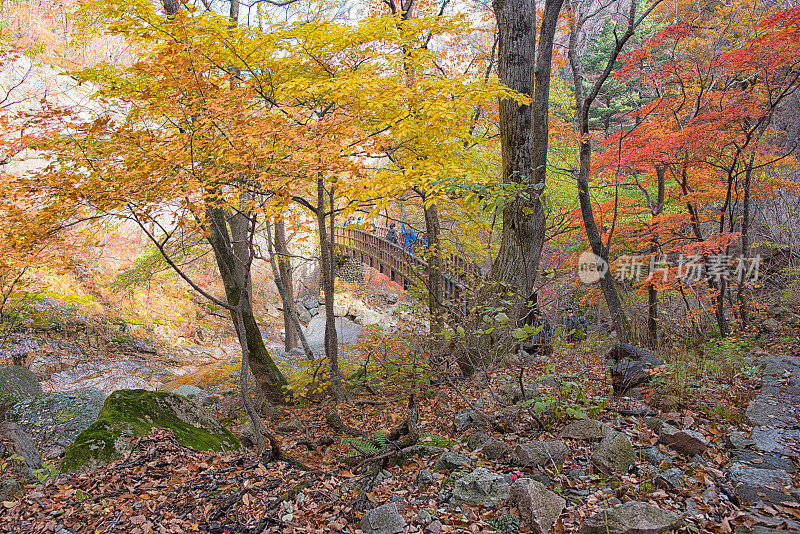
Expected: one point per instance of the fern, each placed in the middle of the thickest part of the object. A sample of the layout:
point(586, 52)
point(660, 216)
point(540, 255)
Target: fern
point(362, 446)
point(379, 438)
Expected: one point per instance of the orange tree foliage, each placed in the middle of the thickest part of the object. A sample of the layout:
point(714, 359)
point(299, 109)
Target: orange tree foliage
point(306, 100)
point(23, 242)
point(716, 86)
point(214, 116)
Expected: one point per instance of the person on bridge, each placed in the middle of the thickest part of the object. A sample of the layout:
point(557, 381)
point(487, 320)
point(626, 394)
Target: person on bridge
point(409, 239)
point(391, 234)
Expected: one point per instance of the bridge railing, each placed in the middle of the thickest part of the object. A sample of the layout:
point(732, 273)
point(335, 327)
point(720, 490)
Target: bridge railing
point(406, 268)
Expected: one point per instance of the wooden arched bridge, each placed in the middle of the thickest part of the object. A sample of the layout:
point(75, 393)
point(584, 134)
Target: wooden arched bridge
point(404, 267)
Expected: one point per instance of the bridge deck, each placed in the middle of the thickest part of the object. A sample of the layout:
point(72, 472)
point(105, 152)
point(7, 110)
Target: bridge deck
point(403, 267)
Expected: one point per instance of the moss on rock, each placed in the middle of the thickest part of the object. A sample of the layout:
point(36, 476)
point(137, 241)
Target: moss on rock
point(134, 412)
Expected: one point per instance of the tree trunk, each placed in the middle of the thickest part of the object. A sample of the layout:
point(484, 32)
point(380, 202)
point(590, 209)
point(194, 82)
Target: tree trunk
point(290, 319)
point(719, 303)
point(255, 419)
point(434, 257)
point(524, 140)
point(287, 284)
point(719, 308)
point(652, 292)
point(237, 282)
point(743, 311)
point(607, 283)
point(583, 105)
point(327, 265)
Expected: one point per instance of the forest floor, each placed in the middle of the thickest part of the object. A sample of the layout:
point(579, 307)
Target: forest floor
point(464, 425)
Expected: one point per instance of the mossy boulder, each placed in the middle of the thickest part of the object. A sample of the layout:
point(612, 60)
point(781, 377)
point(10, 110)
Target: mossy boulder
point(18, 383)
point(134, 412)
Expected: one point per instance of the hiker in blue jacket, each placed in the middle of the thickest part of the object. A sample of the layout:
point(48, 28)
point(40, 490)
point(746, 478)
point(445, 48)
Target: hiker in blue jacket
point(409, 238)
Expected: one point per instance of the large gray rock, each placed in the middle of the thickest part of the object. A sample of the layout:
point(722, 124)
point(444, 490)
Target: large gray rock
point(304, 315)
point(347, 331)
point(778, 440)
point(465, 419)
point(384, 519)
point(310, 302)
point(736, 440)
point(586, 430)
point(651, 455)
point(494, 449)
point(450, 461)
point(614, 454)
point(538, 507)
point(752, 484)
point(634, 366)
point(340, 309)
point(109, 375)
point(687, 442)
point(768, 410)
point(632, 518)
point(627, 375)
point(769, 325)
point(476, 440)
point(764, 461)
point(369, 317)
point(780, 365)
point(511, 393)
point(670, 479)
point(20, 349)
point(14, 441)
point(54, 420)
point(18, 383)
point(654, 423)
point(481, 486)
point(540, 453)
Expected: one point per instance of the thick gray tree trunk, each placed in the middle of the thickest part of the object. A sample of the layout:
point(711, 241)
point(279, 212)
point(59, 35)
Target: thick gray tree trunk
point(524, 132)
point(524, 140)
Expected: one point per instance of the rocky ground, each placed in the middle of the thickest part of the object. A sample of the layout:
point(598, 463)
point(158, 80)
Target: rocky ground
point(68, 351)
point(561, 454)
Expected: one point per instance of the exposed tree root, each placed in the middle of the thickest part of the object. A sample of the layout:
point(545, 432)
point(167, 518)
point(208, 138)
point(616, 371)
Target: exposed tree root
point(334, 420)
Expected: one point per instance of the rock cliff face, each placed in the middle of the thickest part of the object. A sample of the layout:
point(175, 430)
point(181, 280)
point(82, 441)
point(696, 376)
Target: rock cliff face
point(54, 420)
point(17, 383)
